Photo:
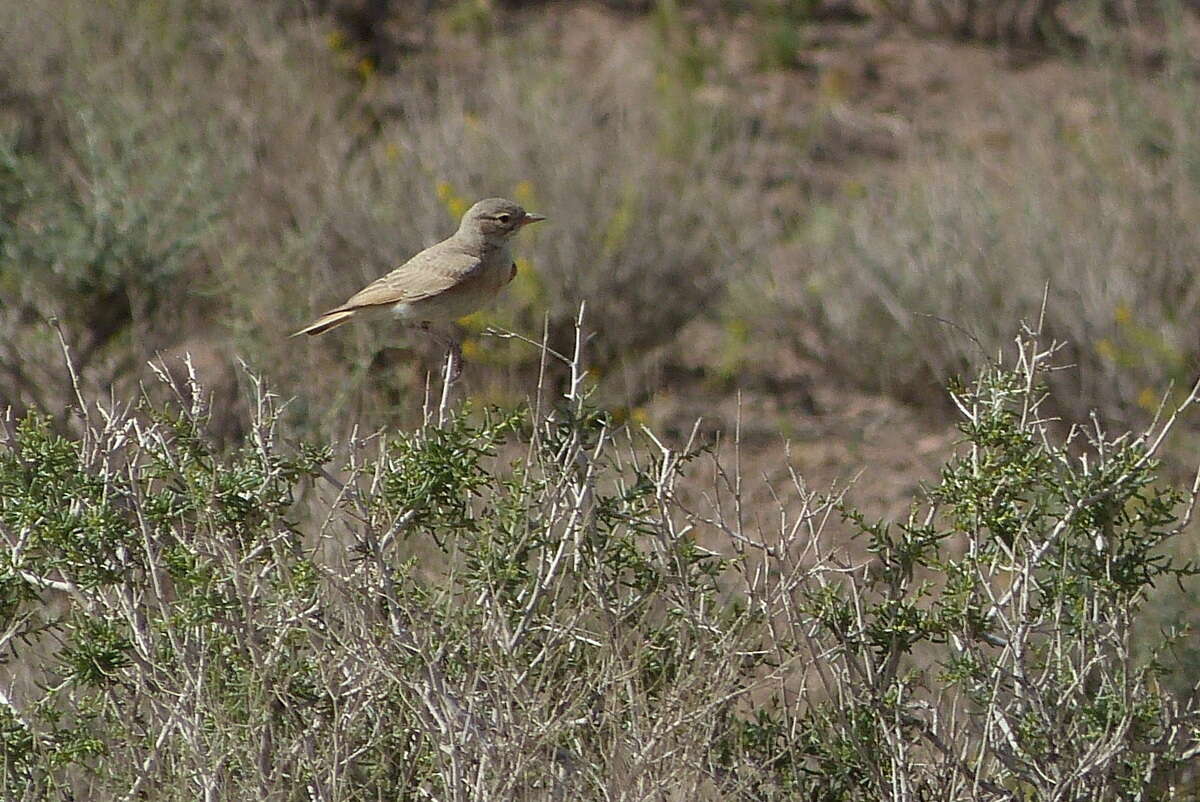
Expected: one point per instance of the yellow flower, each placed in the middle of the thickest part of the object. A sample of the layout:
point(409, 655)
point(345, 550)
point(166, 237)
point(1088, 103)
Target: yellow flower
point(1123, 314)
point(527, 287)
point(365, 68)
point(1148, 399)
point(335, 39)
point(471, 350)
point(835, 83)
point(616, 233)
point(523, 192)
point(737, 330)
point(391, 151)
point(450, 199)
point(1106, 350)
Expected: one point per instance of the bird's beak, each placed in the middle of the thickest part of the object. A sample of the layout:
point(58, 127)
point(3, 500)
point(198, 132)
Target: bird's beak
point(530, 217)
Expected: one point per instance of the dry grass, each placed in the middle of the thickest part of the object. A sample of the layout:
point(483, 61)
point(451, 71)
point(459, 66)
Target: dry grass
point(306, 173)
point(200, 178)
point(1079, 188)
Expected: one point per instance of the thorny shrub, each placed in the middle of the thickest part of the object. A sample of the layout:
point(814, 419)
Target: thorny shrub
point(519, 605)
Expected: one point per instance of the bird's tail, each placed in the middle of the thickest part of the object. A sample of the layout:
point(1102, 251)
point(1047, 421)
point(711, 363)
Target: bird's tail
point(326, 322)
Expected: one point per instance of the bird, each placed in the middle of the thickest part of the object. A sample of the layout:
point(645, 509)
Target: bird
point(446, 281)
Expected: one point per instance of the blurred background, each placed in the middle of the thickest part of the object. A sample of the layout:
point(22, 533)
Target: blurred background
point(808, 215)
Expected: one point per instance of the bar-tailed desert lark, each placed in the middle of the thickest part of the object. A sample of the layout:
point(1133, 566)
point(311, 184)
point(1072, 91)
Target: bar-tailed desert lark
point(446, 281)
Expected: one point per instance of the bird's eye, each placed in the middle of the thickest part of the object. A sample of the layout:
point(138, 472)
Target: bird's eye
point(503, 218)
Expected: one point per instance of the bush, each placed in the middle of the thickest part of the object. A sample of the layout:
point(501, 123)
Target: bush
point(530, 605)
point(106, 254)
point(205, 177)
point(1088, 208)
point(1021, 22)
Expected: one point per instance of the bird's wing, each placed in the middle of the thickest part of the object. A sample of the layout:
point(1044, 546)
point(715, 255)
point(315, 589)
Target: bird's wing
point(431, 272)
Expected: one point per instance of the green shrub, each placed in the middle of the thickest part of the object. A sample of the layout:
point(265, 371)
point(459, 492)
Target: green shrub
point(530, 605)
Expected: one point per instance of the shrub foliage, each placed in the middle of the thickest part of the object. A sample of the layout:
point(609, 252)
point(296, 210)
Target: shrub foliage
point(524, 605)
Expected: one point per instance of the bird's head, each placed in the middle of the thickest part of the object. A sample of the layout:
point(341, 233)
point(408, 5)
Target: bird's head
point(497, 218)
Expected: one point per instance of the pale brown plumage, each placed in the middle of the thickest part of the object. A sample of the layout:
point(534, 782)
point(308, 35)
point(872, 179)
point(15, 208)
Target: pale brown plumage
point(448, 280)
point(445, 281)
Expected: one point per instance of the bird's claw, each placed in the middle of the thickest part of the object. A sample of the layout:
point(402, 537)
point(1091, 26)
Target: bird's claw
point(455, 367)
point(454, 354)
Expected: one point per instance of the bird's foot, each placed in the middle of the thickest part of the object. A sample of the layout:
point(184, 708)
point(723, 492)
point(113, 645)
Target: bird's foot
point(454, 354)
point(454, 369)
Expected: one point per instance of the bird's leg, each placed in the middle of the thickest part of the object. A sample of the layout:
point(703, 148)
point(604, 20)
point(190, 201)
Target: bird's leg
point(453, 350)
